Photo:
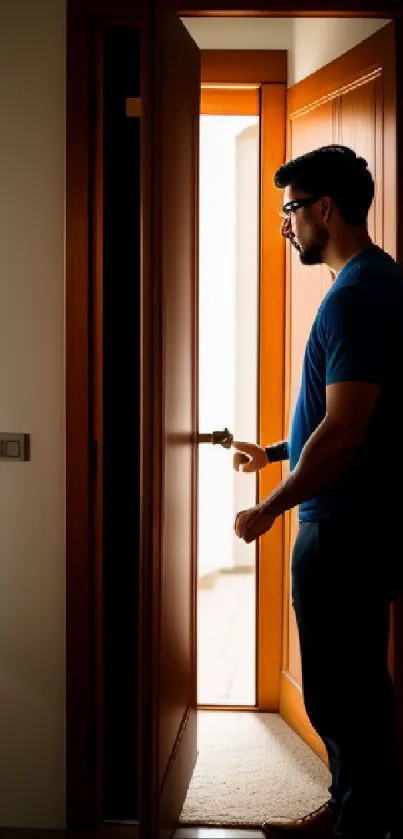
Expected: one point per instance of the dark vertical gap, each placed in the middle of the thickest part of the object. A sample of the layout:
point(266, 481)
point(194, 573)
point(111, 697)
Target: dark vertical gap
point(121, 381)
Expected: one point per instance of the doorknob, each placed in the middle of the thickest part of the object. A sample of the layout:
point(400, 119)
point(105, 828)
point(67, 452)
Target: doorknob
point(221, 438)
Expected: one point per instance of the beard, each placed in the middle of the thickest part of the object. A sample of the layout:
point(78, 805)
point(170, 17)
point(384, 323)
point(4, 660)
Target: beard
point(312, 253)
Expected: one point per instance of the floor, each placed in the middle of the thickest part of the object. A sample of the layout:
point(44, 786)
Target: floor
point(226, 641)
point(226, 664)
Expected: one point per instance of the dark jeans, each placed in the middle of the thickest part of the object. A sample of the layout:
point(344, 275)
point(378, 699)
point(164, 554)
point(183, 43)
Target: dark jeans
point(342, 583)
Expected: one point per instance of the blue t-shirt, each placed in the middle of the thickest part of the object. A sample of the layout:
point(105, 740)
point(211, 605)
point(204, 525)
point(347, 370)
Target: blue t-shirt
point(357, 335)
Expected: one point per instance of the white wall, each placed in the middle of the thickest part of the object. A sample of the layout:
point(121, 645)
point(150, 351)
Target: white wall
point(32, 528)
point(317, 41)
point(247, 286)
point(228, 302)
point(216, 336)
point(310, 42)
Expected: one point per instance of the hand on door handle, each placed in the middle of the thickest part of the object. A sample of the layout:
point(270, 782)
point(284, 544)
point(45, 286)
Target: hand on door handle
point(221, 438)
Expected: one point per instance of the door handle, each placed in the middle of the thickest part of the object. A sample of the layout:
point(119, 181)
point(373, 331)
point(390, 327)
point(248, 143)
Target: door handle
point(221, 438)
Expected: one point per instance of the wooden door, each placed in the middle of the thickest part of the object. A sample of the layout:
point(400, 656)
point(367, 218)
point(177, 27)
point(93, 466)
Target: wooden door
point(171, 169)
point(145, 378)
point(350, 101)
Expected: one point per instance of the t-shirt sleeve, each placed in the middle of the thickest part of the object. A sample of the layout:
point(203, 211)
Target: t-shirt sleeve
point(353, 334)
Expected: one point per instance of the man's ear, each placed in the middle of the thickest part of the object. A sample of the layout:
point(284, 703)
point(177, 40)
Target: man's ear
point(327, 209)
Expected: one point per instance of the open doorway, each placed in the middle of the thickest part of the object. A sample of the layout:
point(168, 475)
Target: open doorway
point(228, 397)
point(350, 115)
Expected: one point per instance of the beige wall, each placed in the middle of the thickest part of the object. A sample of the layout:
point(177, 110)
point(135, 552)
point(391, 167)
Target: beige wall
point(32, 528)
point(317, 41)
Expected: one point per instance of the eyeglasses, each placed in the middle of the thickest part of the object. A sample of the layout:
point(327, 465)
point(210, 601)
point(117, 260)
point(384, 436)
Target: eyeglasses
point(291, 206)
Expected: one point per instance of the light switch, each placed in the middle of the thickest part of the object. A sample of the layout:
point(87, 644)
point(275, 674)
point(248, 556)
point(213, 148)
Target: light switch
point(14, 446)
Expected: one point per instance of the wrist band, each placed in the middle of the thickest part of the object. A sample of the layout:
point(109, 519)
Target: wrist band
point(277, 452)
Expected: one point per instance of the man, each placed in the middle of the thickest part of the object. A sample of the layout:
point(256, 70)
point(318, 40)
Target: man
point(345, 458)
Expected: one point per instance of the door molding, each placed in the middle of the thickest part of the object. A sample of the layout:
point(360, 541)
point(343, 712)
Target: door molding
point(294, 8)
point(244, 67)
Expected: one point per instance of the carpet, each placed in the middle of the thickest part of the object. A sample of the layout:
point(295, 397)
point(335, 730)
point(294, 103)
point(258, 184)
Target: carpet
point(251, 767)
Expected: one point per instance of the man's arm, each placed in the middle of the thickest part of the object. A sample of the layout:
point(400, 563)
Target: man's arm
point(331, 449)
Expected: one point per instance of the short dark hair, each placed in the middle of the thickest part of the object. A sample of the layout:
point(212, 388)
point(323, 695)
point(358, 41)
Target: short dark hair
point(335, 171)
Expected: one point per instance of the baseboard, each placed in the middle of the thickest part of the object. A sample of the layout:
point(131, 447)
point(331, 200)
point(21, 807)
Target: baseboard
point(239, 569)
point(208, 581)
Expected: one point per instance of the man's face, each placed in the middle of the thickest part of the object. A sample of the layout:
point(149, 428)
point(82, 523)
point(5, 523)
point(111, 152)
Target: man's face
point(304, 225)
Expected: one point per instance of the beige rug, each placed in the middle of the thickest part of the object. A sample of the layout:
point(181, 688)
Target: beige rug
point(251, 767)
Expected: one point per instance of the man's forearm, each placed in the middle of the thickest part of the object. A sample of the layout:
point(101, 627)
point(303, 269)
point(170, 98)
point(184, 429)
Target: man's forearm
point(324, 459)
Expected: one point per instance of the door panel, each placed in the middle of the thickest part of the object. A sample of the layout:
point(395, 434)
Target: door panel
point(117, 360)
point(361, 128)
point(145, 316)
point(357, 102)
point(175, 118)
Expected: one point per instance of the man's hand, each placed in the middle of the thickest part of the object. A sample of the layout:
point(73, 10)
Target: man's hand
point(252, 523)
point(256, 457)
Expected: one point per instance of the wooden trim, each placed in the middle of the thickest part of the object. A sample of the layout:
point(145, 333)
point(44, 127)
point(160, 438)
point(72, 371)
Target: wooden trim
point(286, 422)
point(271, 389)
point(150, 452)
point(244, 66)
point(195, 418)
point(230, 102)
point(97, 362)
point(291, 8)
point(292, 708)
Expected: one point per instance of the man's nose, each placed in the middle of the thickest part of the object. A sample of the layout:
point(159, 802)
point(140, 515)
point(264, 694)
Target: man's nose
point(285, 228)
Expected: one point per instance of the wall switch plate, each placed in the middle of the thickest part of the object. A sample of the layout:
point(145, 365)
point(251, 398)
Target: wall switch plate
point(14, 446)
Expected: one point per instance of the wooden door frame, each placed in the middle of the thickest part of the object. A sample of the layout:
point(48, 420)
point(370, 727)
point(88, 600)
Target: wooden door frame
point(267, 70)
point(83, 609)
point(80, 700)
